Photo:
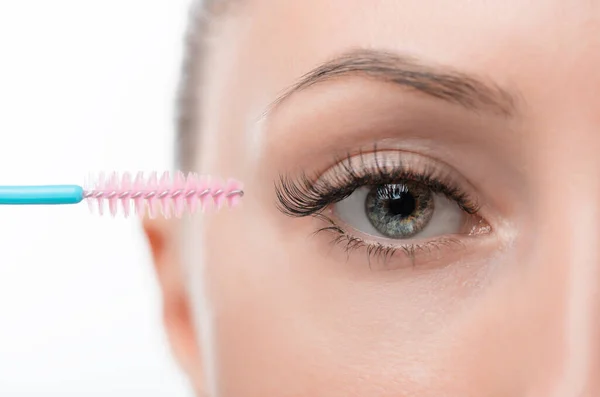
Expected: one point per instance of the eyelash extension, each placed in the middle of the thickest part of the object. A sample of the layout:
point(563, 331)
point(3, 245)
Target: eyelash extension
point(305, 197)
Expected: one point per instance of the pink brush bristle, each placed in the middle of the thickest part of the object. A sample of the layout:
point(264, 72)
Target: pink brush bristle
point(191, 185)
point(113, 199)
point(99, 197)
point(179, 196)
point(126, 185)
point(234, 186)
point(167, 196)
point(150, 192)
point(138, 198)
point(164, 199)
point(204, 193)
point(218, 188)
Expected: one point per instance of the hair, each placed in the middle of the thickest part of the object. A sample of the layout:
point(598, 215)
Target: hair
point(201, 15)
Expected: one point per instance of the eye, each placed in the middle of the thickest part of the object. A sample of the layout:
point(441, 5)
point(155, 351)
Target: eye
point(401, 211)
point(385, 202)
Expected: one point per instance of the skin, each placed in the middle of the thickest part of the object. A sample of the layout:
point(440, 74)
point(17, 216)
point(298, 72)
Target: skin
point(254, 307)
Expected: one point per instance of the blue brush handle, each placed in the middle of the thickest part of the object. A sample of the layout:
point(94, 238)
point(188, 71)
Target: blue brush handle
point(41, 195)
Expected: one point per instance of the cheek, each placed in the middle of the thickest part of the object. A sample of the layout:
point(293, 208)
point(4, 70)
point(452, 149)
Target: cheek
point(279, 318)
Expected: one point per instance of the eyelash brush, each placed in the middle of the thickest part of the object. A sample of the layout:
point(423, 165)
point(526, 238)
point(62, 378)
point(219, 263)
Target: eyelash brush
point(169, 196)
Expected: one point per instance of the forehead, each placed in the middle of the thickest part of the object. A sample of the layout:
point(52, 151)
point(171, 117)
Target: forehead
point(282, 40)
point(262, 47)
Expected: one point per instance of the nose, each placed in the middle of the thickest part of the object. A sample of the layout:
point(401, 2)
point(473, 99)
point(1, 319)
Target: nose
point(564, 275)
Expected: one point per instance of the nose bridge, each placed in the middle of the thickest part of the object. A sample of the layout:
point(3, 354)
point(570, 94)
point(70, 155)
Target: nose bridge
point(567, 269)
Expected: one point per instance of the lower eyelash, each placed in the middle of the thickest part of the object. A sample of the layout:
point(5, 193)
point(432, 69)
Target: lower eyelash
point(380, 251)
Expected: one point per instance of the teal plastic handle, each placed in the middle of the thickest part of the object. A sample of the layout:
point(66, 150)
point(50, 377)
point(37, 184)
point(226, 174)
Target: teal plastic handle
point(41, 195)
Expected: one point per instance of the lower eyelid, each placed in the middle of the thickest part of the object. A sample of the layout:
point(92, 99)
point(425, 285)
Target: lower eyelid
point(390, 254)
point(380, 256)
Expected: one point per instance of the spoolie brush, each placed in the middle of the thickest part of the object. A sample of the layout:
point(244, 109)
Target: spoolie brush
point(168, 196)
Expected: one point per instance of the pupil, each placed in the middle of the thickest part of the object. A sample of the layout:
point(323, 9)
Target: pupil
point(403, 204)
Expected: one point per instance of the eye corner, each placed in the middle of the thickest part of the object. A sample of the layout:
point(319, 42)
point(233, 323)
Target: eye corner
point(480, 227)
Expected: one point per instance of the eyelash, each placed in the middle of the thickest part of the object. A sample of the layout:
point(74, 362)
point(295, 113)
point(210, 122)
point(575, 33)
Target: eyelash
point(310, 196)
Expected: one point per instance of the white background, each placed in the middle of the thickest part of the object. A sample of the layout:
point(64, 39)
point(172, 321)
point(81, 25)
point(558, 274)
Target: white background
point(84, 86)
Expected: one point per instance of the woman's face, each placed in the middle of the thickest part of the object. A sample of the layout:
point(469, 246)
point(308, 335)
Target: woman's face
point(422, 208)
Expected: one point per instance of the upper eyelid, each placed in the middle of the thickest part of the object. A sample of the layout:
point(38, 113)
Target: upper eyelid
point(428, 164)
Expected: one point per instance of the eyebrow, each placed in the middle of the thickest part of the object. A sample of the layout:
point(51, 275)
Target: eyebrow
point(439, 82)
